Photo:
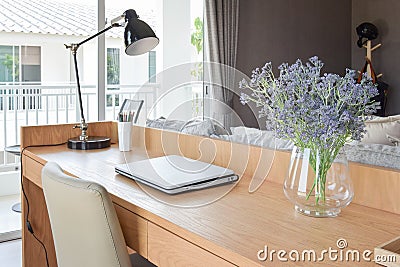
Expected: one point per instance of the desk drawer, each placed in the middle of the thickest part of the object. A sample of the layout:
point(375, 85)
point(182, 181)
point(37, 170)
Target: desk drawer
point(167, 249)
point(134, 228)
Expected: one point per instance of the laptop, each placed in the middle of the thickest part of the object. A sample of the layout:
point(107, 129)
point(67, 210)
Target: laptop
point(176, 174)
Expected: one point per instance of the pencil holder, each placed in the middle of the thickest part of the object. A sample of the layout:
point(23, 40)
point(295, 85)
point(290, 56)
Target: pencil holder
point(124, 135)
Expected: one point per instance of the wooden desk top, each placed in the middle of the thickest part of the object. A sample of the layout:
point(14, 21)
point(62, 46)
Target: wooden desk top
point(237, 225)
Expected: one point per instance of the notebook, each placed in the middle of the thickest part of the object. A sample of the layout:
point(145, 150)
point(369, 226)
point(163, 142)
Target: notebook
point(176, 174)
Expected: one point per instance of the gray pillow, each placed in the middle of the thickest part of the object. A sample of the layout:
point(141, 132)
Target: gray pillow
point(204, 128)
point(261, 138)
point(172, 125)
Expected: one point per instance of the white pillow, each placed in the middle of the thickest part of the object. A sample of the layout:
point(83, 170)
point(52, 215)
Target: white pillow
point(242, 130)
point(383, 119)
point(395, 117)
point(376, 119)
point(378, 129)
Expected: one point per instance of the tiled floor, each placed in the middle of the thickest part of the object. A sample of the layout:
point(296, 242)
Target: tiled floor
point(11, 253)
point(9, 220)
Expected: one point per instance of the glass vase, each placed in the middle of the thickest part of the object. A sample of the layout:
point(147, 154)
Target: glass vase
point(318, 181)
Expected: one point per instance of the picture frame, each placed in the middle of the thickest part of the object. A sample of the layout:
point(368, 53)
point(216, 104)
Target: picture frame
point(130, 110)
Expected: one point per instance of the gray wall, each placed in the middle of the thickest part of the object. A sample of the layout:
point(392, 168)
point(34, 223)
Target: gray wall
point(385, 14)
point(284, 30)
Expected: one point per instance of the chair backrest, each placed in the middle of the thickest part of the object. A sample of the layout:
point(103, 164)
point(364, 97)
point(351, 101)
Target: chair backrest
point(83, 220)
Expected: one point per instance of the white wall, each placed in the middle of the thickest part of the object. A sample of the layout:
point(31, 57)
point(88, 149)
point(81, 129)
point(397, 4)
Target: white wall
point(176, 32)
point(88, 59)
point(9, 183)
point(176, 46)
point(134, 70)
point(55, 62)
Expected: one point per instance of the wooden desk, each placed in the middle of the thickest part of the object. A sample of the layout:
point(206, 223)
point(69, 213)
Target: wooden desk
point(192, 229)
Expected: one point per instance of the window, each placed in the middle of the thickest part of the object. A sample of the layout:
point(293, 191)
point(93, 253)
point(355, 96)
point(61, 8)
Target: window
point(152, 67)
point(113, 74)
point(175, 55)
point(30, 69)
point(30, 64)
point(9, 71)
point(113, 65)
point(9, 63)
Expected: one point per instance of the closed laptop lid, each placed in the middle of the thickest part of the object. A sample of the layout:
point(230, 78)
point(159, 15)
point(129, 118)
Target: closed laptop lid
point(170, 172)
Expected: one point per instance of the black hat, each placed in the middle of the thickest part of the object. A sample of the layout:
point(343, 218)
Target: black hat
point(366, 30)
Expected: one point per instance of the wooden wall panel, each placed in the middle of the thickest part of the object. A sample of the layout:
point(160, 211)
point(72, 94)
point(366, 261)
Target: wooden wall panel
point(57, 134)
point(374, 186)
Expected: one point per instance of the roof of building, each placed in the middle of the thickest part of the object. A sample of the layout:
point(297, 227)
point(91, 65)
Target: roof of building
point(62, 18)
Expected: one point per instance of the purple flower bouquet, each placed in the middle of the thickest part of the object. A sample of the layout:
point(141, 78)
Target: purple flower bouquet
point(316, 112)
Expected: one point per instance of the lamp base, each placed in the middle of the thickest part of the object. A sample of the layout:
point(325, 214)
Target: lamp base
point(93, 142)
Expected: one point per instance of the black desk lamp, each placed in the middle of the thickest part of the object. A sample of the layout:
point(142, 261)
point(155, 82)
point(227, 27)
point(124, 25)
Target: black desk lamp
point(139, 38)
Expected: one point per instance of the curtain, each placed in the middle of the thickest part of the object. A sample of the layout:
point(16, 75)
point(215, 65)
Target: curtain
point(222, 19)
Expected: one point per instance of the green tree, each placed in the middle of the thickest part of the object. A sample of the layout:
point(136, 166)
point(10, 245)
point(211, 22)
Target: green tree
point(8, 62)
point(197, 35)
point(197, 42)
point(112, 78)
point(112, 71)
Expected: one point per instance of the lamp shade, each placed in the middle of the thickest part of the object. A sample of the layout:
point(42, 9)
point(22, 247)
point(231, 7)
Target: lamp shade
point(139, 37)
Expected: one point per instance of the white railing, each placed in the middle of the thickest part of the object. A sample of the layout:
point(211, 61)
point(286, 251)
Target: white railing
point(38, 104)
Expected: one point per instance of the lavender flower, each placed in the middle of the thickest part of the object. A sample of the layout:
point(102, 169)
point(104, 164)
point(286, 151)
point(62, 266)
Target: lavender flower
point(308, 108)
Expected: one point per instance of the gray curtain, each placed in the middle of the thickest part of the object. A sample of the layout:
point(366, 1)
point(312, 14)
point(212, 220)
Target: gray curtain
point(222, 19)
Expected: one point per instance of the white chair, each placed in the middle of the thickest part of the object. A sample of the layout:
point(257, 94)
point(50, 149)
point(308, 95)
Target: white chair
point(84, 223)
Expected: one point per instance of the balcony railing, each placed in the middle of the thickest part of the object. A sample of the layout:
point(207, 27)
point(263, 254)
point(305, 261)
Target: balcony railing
point(38, 104)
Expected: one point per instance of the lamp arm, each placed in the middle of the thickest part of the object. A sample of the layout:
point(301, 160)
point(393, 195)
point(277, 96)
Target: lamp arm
point(83, 124)
point(74, 48)
point(97, 34)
